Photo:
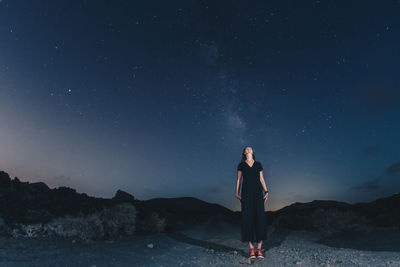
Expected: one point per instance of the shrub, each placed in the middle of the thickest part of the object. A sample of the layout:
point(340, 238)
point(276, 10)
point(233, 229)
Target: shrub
point(109, 223)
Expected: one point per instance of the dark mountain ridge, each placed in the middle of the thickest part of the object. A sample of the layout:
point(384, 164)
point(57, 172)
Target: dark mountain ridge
point(29, 203)
point(331, 216)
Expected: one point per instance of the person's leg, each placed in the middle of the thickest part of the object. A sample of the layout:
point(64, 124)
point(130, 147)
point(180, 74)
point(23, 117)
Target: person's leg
point(252, 253)
point(251, 245)
point(260, 254)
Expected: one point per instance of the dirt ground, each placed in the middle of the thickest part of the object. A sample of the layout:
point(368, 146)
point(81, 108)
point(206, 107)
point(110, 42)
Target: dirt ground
point(208, 244)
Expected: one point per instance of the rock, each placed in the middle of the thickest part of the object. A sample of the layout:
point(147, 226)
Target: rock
point(123, 196)
point(4, 178)
point(39, 187)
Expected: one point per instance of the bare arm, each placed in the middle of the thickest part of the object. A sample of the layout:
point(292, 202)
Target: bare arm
point(239, 178)
point(263, 182)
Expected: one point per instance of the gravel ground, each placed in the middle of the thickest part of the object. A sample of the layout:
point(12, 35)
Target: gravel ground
point(208, 244)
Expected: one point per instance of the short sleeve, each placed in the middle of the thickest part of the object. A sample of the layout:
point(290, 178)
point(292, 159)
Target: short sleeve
point(260, 167)
point(240, 167)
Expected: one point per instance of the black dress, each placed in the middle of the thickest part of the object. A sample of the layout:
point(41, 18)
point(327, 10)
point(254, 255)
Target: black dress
point(254, 225)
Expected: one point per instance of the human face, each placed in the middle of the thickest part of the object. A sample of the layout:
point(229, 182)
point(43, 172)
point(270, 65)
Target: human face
point(248, 150)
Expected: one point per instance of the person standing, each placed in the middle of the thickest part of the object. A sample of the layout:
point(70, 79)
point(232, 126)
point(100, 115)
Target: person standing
point(253, 226)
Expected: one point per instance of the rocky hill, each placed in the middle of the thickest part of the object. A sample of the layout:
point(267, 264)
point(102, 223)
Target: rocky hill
point(33, 209)
point(332, 216)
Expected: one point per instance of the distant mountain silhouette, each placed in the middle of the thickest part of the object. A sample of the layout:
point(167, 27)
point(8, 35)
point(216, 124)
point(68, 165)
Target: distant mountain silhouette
point(32, 203)
point(332, 216)
point(29, 203)
point(184, 211)
point(24, 202)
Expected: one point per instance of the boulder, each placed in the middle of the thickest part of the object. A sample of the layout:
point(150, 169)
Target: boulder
point(123, 196)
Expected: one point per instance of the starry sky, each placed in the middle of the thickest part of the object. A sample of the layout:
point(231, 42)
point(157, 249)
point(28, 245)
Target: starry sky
point(159, 98)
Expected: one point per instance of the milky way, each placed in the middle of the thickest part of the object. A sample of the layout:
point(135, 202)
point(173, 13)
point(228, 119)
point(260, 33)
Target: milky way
point(160, 99)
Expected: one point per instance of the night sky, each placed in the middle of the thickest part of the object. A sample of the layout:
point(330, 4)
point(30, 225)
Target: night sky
point(159, 98)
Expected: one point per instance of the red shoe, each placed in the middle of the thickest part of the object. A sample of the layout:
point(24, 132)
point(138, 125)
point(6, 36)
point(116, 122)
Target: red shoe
point(252, 255)
point(259, 253)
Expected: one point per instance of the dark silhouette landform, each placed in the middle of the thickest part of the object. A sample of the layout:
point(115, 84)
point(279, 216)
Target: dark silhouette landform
point(33, 211)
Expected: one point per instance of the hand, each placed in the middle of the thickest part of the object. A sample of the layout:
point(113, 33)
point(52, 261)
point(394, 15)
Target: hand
point(265, 197)
point(238, 197)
